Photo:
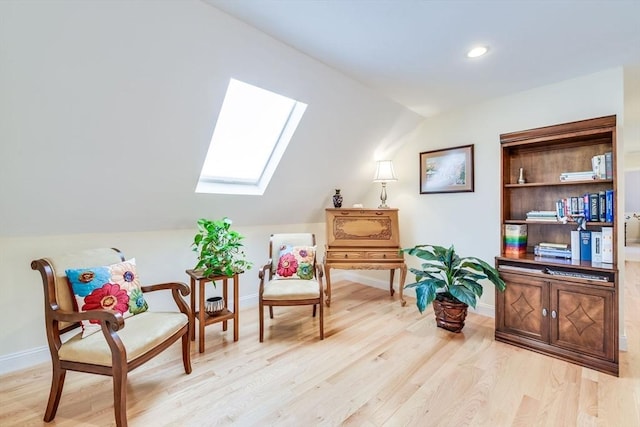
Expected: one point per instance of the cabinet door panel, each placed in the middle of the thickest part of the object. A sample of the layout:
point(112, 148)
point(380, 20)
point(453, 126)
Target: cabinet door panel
point(584, 319)
point(523, 305)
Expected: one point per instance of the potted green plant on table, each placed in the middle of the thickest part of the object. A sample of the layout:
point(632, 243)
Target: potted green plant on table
point(450, 283)
point(220, 249)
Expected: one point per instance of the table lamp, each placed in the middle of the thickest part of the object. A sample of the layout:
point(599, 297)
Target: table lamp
point(384, 173)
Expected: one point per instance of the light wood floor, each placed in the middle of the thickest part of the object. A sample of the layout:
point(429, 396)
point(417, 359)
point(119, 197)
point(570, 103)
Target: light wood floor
point(379, 365)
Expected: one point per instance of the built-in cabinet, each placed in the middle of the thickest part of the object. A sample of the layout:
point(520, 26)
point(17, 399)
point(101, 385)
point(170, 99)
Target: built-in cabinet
point(564, 308)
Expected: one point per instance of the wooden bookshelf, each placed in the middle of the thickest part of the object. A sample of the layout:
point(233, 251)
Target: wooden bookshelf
point(561, 307)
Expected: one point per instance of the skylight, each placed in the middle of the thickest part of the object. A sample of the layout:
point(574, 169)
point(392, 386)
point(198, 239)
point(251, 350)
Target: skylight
point(252, 132)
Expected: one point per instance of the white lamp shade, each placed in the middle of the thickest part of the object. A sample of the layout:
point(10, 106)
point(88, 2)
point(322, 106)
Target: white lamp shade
point(384, 171)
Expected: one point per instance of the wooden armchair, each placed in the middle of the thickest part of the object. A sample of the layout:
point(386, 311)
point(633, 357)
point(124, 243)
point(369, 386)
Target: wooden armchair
point(276, 290)
point(121, 346)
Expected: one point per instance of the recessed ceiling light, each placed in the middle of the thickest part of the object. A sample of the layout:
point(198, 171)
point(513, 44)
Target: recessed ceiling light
point(477, 51)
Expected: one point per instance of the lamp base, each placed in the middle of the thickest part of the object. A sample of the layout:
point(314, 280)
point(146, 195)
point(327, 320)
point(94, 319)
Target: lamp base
point(383, 197)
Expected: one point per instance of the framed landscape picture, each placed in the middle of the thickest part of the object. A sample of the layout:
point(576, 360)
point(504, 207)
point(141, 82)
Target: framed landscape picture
point(449, 170)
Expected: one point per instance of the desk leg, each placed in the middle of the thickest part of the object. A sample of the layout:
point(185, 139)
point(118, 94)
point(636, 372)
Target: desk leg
point(192, 318)
point(201, 284)
point(327, 291)
point(403, 276)
point(392, 272)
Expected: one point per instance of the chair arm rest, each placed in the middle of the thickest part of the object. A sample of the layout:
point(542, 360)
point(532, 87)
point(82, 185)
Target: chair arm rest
point(262, 273)
point(110, 317)
point(177, 288)
point(319, 269)
point(182, 287)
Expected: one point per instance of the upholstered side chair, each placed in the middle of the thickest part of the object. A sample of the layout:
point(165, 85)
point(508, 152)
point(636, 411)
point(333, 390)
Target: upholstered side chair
point(292, 276)
point(120, 344)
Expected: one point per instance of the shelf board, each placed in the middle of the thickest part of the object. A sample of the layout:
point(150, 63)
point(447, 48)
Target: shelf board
point(536, 260)
point(589, 223)
point(558, 183)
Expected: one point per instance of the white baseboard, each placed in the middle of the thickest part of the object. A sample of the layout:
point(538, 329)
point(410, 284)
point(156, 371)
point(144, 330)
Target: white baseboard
point(24, 359)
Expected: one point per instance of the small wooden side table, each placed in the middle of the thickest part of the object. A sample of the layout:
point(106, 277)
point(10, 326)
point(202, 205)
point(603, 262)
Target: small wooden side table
point(203, 318)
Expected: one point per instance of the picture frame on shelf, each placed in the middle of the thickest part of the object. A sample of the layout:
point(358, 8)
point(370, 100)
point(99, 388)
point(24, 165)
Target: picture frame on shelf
point(448, 170)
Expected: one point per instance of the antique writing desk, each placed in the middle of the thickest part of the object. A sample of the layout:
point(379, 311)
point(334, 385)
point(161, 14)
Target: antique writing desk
point(364, 239)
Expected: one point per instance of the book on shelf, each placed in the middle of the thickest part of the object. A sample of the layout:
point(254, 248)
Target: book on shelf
point(554, 245)
point(585, 245)
point(599, 165)
point(608, 216)
point(542, 216)
point(515, 239)
point(577, 176)
point(552, 252)
point(607, 245)
point(602, 205)
point(587, 206)
point(575, 244)
point(608, 161)
point(596, 246)
point(594, 207)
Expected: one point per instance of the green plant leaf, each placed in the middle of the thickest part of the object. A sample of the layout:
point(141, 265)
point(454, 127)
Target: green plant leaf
point(464, 295)
point(219, 248)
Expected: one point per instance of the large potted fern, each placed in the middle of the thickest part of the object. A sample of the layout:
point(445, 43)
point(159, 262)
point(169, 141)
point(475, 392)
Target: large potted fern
point(450, 283)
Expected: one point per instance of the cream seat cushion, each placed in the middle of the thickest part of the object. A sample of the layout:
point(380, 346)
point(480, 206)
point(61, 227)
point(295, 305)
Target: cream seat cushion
point(140, 334)
point(288, 289)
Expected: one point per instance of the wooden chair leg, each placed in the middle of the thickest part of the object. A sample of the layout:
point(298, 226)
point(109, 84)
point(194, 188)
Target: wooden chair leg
point(57, 382)
point(271, 311)
point(321, 319)
point(186, 351)
point(314, 310)
point(120, 396)
point(261, 308)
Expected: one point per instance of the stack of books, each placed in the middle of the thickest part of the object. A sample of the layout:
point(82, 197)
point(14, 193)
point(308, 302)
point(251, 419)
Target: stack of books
point(577, 176)
point(553, 250)
point(542, 216)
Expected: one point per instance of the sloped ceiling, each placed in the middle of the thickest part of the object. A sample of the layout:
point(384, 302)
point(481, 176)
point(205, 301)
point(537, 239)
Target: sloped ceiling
point(414, 51)
point(107, 110)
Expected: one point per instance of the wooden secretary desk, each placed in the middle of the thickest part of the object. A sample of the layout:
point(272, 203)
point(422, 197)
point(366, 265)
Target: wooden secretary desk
point(364, 239)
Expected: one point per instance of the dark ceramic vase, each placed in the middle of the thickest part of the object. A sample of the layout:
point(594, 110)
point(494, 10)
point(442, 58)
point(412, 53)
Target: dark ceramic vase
point(337, 199)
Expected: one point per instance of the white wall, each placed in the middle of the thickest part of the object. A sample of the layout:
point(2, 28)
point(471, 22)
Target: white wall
point(471, 221)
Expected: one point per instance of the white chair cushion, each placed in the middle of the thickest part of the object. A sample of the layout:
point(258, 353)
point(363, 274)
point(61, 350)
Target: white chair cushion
point(140, 334)
point(291, 289)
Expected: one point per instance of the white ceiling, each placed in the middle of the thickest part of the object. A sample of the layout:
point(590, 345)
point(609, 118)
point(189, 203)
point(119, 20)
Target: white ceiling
point(414, 51)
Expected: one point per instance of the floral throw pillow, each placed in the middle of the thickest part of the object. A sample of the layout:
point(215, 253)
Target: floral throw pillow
point(115, 287)
point(296, 262)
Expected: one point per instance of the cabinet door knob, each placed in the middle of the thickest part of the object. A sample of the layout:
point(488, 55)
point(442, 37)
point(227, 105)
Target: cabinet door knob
point(544, 312)
point(554, 314)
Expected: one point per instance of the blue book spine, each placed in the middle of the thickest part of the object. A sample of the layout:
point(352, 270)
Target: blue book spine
point(594, 214)
point(602, 203)
point(587, 207)
point(609, 203)
point(585, 245)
